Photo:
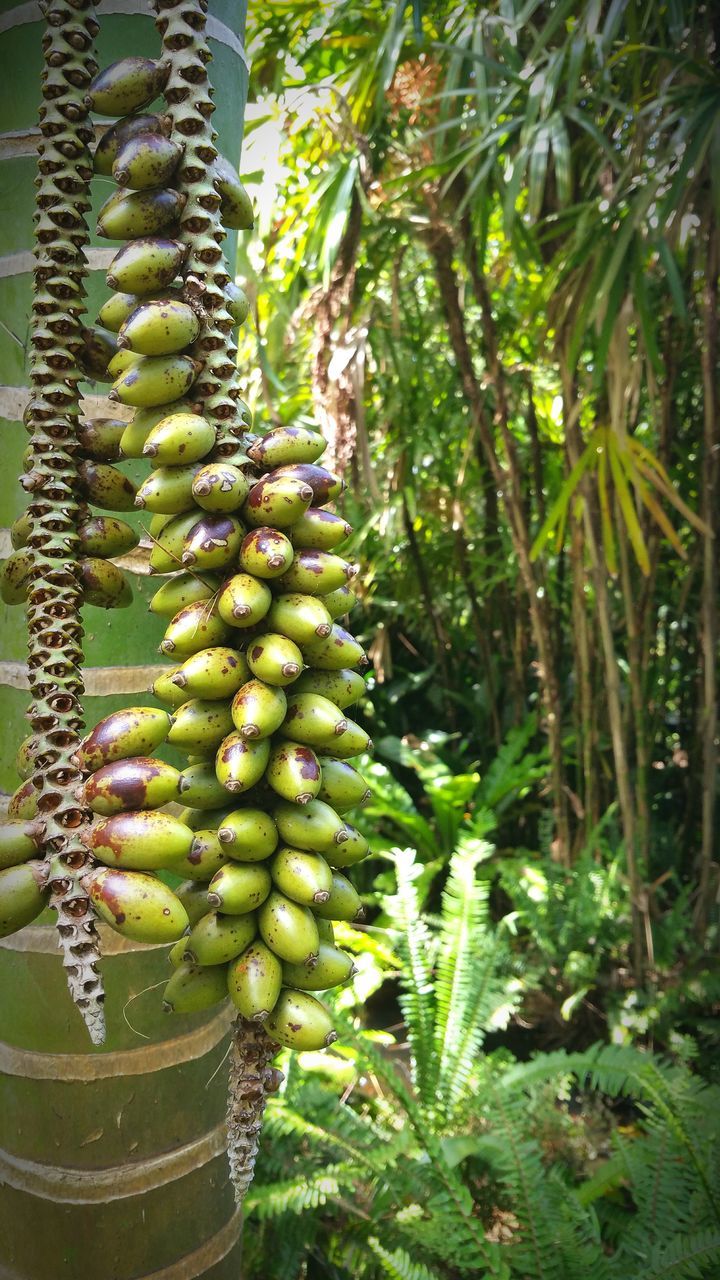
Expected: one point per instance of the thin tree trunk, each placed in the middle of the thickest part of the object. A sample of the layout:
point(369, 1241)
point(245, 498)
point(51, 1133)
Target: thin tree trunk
point(441, 640)
point(586, 720)
point(480, 629)
point(638, 703)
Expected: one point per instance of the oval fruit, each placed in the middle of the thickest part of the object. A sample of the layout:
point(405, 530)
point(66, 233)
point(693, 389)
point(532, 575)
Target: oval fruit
point(299, 1021)
point(138, 906)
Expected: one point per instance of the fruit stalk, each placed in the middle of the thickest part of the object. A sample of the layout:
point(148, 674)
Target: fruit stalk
point(251, 1080)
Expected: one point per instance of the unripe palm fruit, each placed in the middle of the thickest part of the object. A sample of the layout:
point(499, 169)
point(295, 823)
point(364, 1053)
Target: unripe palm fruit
point(23, 803)
point(343, 687)
point(216, 939)
point(304, 877)
point(314, 826)
point(344, 902)
point(99, 347)
point(195, 627)
point(354, 742)
point(15, 575)
point(141, 782)
point(116, 310)
point(200, 788)
point(105, 536)
point(137, 905)
point(17, 843)
point(277, 502)
point(145, 265)
point(352, 850)
point(212, 673)
point(236, 208)
point(159, 328)
point(258, 709)
point(20, 531)
point(313, 719)
point(335, 651)
point(219, 486)
point(175, 954)
point(340, 602)
point(299, 1021)
point(127, 215)
point(104, 486)
point(195, 987)
point(25, 757)
point(22, 896)
point(143, 841)
point(133, 731)
point(241, 762)
point(237, 303)
point(319, 530)
point(146, 160)
point(237, 888)
point(192, 894)
point(333, 968)
point(274, 659)
point(169, 693)
point(118, 135)
point(285, 445)
point(293, 772)
point(266, 553)
point(248, 835)
point(205, 858)
point(325, 486)
point(254, 980)
point(179, 438)
point(243, 600)
point(155, 380)
point(288, 929)
point(200, 725)
point(342, 786)
point(168, 491)
point(299, 617)
point(103, 584)
point(165, 556)
point(121, 361)
point(125, 86)
point(317, 572)
point(325, 929)
point(213, 542)
point(100, 438)
point(186, 588)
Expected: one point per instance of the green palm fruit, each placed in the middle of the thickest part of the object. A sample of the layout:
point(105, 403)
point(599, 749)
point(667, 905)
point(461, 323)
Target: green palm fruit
point(237, 888)
point(15, 575)
point(155, 380)
point(116, 310)
point(125, 86)
point(106, 537)
point(205, 859)
point(103, 584)
point(197, 626)
point(100, 438)
point(266, 553)
point(186, 588)
point(120, 362)
point(352, 850)
point(299, 617)
point(159, 328)
point(98, 349)
point(313, 720)
point(241, 762)
point(137, 905)
point(342, 786)
point(145, 265)
point(127, 215)
point(248, 835)
point(274, 659)
point(192, 894)
point(304, 877)
point(236, 208)
point(333, 968)
point(288, 929)
point(254, 980)
point(213, 542)
point(237, 302)
point(319, 530)
point(22, 896)
point(293, 772)
point(175, 954)
point(19, 842)
point(179, 438)
point(219, 486)
point(146, 160)
point(344, 902)
point(200, 788)
point(317, 572)
point(326, 487)
point(143, 841)
point(314, 826)
point(243, 600)
point(299, 1021)
point(325, 929)
point(213, 673)
point(204, 819)
point(285, 445)
point(133, 731)
point(168, 491)
point(343, 687)
point(216, 939)
point(195, 987)
point(354, 742)
point(340, 602)
point(335, 651)
point(105, 486)
point(117, 135)
point(141, 782)
point(200, 725)
point(277, 502)
point(258, 709)
point(169, 693)
point(25, 757)
point(23, 803)
point(20, 531)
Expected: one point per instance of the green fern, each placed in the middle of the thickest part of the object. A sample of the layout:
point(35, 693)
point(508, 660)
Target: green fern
point(397, 1265)
point(687, 1258)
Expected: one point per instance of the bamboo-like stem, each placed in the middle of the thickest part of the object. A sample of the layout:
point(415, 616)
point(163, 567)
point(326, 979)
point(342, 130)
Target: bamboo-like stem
point(55, 594)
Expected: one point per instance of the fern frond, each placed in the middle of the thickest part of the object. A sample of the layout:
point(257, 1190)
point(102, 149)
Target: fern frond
point(397, 1265)
point(417, 947)
point(695, 1257)
point(296, 1195)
